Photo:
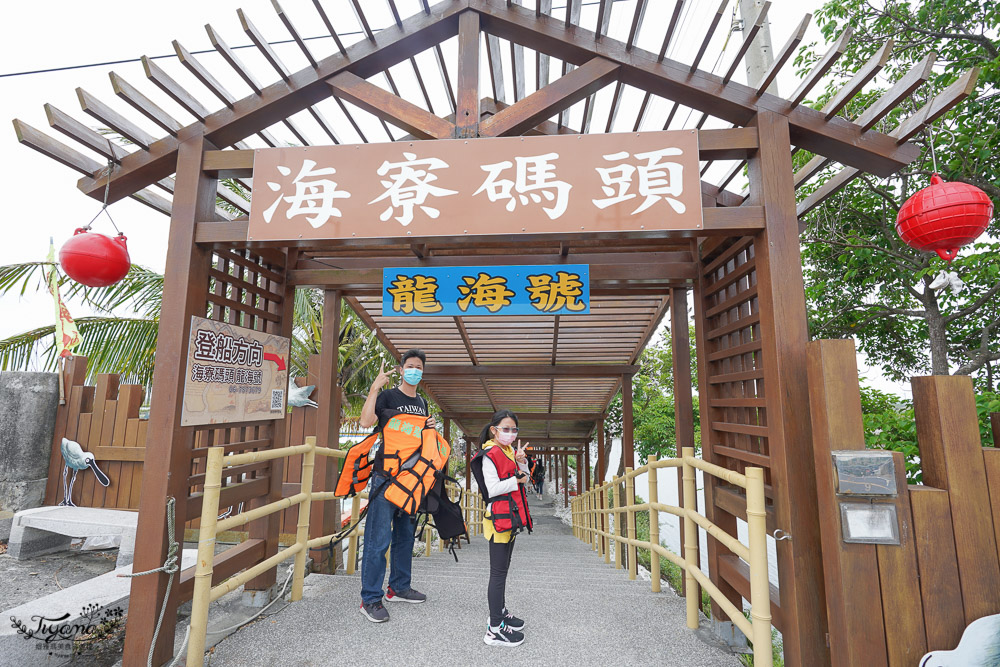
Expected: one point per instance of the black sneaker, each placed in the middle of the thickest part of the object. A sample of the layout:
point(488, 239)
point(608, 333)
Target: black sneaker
point(503, 636)
point(512, 621)
point(412, 596)
point(374, 611)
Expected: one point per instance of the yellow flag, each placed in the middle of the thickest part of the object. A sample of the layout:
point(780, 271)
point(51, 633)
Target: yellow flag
point(67, 335)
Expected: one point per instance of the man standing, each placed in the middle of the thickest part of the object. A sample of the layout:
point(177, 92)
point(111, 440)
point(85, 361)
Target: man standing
point(385, 523)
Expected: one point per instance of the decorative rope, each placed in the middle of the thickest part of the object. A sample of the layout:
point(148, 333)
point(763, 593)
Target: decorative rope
point(169, 566)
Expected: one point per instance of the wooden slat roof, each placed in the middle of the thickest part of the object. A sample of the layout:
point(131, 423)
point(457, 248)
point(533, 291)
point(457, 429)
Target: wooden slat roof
point(606, 70)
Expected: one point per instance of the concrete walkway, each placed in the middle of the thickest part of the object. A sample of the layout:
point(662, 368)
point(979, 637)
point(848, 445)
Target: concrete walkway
point(578, 611)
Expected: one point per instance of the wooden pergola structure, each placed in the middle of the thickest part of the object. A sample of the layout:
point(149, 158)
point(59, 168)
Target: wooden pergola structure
point(741, 269)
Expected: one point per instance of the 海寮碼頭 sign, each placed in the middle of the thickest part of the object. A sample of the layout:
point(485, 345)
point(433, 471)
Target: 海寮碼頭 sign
point(512, 185)
point(234, 374)
point(559, 289)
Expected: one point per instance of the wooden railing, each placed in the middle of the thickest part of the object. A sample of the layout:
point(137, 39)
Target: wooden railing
point(593, 524)
point(211, 525)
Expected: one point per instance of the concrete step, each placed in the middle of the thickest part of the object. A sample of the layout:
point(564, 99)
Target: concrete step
point(64, 613)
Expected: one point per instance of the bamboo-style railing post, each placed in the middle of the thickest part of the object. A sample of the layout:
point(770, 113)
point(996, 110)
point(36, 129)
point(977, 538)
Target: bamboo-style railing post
point(616, 527)
point(206, 554)
point(302, 532)
point(760, 600)
point(606, 518)
point(690, 533)
point(633, 570)
point(352, 541)
point(654, 527)
point(427, 541)
point(590, 520)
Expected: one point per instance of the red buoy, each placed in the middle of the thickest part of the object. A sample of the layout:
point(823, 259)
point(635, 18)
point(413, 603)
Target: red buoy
point(943, 217)
point(95, 260)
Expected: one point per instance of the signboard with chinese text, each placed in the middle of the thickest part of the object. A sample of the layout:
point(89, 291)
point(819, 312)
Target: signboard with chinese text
point(233, 374)
point(560, 289)
point(512, 185)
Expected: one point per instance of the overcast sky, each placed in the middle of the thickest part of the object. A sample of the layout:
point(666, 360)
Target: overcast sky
point(39, 196)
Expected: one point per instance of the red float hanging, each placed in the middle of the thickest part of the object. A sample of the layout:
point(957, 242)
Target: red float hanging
point(93, 259)
point(943, 217)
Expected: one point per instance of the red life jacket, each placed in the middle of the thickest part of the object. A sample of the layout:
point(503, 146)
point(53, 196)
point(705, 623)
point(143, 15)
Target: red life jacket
point(509, 511)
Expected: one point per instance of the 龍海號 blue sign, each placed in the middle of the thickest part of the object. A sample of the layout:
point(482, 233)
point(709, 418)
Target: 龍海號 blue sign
point(559, 289)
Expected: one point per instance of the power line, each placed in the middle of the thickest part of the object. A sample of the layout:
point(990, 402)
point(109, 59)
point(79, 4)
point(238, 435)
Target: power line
point(241, 46)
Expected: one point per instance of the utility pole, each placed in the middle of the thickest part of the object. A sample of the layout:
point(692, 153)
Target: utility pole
point(761, 55)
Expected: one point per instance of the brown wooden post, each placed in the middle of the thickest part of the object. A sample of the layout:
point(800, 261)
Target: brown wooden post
point(328, 421)
point(683, 402)
point(268, 527)
point(995, 428)
point(628, 451)
point(586, 467)
point(784, 333)
point(580, 473)
point(851, 571)
point(467, 98)
point(168, 456)
point(602, 465)
point(952, 458)
point(468, 460)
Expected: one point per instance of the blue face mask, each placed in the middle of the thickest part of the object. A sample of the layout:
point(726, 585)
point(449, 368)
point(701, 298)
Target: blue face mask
point(412, 376)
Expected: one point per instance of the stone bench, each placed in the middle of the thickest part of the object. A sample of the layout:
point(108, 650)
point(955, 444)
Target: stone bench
point(45, 530)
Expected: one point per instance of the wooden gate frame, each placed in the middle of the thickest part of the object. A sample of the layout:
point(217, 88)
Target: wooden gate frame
point(748, 294)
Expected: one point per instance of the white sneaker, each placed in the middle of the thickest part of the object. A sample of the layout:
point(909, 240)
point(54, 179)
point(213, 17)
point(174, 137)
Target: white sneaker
point(502, 636)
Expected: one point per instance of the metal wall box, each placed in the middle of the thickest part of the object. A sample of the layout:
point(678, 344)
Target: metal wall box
point(869, 523)
point(864, 473)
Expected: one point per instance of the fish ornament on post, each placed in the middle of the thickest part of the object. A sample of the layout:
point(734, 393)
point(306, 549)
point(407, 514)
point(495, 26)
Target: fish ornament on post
point(943, 217)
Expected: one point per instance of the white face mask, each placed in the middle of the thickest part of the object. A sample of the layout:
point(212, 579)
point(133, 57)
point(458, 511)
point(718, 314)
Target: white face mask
point(505, 438)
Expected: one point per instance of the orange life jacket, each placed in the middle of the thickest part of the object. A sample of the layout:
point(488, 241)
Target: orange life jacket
point(411, 455)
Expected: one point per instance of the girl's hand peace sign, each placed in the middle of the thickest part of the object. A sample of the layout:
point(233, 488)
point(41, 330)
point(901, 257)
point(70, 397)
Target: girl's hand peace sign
point(519, 454)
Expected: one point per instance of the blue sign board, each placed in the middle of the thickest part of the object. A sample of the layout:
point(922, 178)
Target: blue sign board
point(558, 289)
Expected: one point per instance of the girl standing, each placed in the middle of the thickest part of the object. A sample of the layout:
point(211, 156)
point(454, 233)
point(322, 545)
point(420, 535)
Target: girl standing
point(501, 472)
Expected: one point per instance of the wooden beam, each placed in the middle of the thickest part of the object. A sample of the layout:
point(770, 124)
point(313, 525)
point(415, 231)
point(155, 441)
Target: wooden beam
point(529, 416)
point(467, 100)
point(440, 371)
point(732, 102)
point(822, 67)
point(383, 104)
point(202, 73)
point(56, 150)
point(143, 104)
point(262, 45)
point(784, 54)
point(748, 38)
point(860, 78)
point(902, 89)
point(282, 99)
point(82, 134)
point(177, 93)
point(558, 95)
point(111, 118)
point(290, 27)
point(709, 34)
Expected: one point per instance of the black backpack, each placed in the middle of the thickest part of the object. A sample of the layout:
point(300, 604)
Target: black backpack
point(448, 518)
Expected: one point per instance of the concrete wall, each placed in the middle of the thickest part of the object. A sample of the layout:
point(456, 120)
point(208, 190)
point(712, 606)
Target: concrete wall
point(28, 403)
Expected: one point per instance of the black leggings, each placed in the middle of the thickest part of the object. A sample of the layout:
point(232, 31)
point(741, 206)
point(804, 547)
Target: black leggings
point(500, 553)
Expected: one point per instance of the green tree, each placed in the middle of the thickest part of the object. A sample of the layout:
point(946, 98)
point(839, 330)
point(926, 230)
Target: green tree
point(861, 280)
point(653, 414)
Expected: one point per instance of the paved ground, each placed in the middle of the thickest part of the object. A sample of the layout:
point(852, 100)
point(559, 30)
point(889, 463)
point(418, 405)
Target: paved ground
point(26, 580)
point(578, 611)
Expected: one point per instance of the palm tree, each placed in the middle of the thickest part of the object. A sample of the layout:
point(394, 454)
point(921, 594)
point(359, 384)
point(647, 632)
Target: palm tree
point(126, 344)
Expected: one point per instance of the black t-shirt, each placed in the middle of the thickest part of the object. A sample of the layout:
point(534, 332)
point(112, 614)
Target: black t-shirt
point(390, 403)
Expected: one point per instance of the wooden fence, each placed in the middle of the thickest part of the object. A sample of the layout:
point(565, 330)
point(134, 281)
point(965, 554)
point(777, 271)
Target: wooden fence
point(104, 419)
point(888, 604)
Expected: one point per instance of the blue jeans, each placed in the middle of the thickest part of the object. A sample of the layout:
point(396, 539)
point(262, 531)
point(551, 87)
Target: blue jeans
point(383, 522)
